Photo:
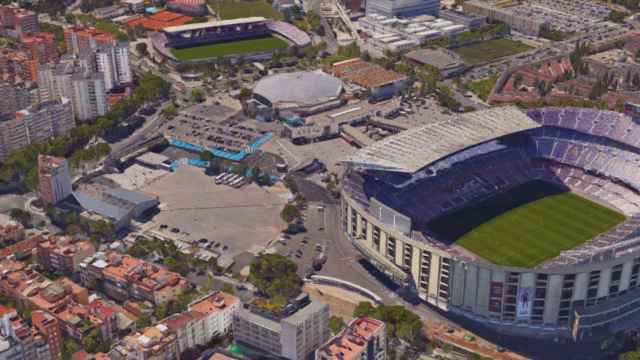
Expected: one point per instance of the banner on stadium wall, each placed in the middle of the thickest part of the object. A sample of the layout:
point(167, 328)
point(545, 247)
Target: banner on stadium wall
point(495, 296)
point(524, 302)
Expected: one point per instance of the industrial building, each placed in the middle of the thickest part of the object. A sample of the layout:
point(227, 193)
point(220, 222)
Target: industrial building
point(405, 8)
point(400, 34)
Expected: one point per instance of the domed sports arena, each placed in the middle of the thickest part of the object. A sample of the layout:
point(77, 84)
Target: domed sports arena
point(528, 222)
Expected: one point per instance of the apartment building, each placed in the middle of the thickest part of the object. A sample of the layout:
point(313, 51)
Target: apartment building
point(123, 277)
point(206, 318)
point(14, 97)
point(363, 338)
point(17, 22)
point(18, 340)
point(293, 333)
point(34, 124)
point(41, 47)
point(11, 232)
point(89, 96)
point(54, 181)
point(113, 62)
point(69, 303)
point(63, 254)
point(404, 8)
point(81, 39)
point(154, 342)
point(49, 327)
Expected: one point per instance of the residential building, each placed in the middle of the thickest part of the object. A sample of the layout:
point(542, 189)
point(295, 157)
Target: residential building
point(89, 96)
point(35, 124)
point(63, 254)
point(19, 340)
point(154, 342)
point(76, 79)
point(49, 327)
point(122, 277)
point(363, 338)
point(17, 66)
point(65, 300)
point(81, 39)
point(11, 232)
point(292, 333)
point(113, 62)
point(17, 22)
point(14, 97)
point(54, 181)
point(41, 46)
point(405, 8)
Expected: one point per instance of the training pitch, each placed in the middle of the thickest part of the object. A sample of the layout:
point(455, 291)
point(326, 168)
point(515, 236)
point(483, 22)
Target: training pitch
point(526, 225)
point(230, 48)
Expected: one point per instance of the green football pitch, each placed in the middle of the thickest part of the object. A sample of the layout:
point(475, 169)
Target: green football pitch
point(230, 48)
point(526, 225)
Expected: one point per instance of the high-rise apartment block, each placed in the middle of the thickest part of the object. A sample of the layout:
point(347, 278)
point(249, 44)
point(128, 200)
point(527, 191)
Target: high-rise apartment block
point(77, 81)
point(14, 97)
point(35, 124)
point(113, 62)
point(54, 179)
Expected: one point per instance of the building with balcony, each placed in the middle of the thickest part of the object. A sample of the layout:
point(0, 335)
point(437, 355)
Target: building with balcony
point(363, 338)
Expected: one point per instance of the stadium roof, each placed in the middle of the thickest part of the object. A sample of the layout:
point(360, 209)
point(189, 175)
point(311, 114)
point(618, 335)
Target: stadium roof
point(411, 150)
point(210, 24)
point(301, 88)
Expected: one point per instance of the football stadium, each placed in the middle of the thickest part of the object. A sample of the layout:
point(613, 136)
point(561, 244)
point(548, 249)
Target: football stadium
point(527, 222)
point(254, 36)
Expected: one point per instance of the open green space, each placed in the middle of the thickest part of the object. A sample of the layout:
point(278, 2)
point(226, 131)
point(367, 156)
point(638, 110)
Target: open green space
point(490, 50)
point(229, 48)
point(483, 87)
point(233, 9)
point(526, 225)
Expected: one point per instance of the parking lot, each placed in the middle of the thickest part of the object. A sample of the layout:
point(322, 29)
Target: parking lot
point(232, 220)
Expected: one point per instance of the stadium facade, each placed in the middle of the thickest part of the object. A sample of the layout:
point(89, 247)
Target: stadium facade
point(395, 187)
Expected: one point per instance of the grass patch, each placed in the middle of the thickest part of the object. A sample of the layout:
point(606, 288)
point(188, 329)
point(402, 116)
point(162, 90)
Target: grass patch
point(483, 87)
point(527, 225)
point(490, 50)
point(229, 48)
point(233, 9)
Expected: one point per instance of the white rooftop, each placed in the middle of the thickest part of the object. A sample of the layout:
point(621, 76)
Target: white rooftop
point(413, 149)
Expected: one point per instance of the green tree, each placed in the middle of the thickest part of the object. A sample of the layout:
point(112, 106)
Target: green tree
point(289, 213)
point(21, 216)
point(275, 276)
point(169, 111)
point(142, 49)
point(143, 321)
point(630, 355)
point(336, 324)
point(197, 95)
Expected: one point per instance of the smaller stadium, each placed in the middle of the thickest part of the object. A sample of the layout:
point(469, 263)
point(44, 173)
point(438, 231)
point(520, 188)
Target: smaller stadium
point(252, 37)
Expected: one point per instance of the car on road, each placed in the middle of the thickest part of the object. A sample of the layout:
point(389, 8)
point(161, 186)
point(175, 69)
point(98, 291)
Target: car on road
point(175, 230)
